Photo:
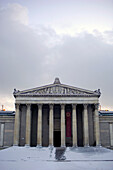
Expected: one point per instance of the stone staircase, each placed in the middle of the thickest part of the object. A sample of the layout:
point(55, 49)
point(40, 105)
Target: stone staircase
point(59, 153)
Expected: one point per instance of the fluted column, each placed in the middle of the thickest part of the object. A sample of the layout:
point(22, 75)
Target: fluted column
point(96, 125)
point(85, 123)
point(17, 125)
point(74, 120)
point(51, 125)
point(39, 130)
point(62, 125)
point(28, 125)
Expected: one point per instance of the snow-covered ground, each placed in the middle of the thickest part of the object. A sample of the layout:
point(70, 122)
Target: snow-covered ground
point(32, 158)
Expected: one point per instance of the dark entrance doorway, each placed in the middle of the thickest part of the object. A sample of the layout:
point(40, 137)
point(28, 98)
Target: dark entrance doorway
point(57, 125)
point(57, 138)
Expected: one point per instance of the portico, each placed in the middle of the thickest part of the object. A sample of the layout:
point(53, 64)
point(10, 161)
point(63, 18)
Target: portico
point(56, 115)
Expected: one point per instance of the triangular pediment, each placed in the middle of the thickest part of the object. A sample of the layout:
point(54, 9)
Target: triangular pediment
point(57, 89)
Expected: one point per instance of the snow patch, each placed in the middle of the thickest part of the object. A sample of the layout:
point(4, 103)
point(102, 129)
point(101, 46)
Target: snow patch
point(43, 158)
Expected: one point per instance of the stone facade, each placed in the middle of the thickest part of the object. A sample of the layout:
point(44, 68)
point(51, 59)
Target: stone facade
point(56, 115)
point(106, 130)
point(6, 130)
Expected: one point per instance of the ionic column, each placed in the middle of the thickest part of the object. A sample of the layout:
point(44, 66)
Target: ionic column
point(74, 120)
point(85, 125)
point(96, 126)
point(51, 125)
point(62, 125)
point(28, 125)
point(39, 130)
point(17, 126)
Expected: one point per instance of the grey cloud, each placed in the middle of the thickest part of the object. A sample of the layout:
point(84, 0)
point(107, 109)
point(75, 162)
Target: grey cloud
point(86, 61)
point(28, 61)
point(22, 55)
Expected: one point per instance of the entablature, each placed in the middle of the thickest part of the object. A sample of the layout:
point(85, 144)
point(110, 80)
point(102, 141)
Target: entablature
point(57, 100)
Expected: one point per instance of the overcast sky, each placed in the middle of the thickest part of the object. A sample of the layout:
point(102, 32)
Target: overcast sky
point(44, 39)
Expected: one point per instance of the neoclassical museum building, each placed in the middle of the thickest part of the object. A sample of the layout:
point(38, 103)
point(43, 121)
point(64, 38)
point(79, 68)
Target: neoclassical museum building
point(56, 115)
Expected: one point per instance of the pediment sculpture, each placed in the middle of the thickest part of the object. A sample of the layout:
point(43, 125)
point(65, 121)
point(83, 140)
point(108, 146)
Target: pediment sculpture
point(55, 90)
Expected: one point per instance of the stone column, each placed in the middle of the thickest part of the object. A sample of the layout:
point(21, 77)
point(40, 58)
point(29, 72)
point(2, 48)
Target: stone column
point(2, 134)
point(51, 125)
point(96, 126)
point(17, 125)
point(39, 130)
point(85, 126)
point(28, 125)
point(62, 125)
point(74, 120)
point(111, 134)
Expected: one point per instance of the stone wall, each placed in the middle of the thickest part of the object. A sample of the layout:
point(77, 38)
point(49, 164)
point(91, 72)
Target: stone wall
point(106, 133)
point(6, 130)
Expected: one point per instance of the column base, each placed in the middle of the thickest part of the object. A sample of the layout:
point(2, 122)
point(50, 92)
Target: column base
point(39, 146)
point(15, 145)
point(27, 145)
point(63, 146)
point(99, 145)
point(87, 146)
point(74, 146)
point(51, 146)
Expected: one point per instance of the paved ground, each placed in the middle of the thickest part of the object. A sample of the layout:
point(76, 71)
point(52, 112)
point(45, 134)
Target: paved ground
point(28, 158)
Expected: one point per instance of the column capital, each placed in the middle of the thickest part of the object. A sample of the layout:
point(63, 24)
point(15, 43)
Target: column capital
point(51, 106)
point(74, 106)
point(63, 106)
point(17, 105)
point(96, 106)
point(28, 105)
point(39, 106)
point(85, 106)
